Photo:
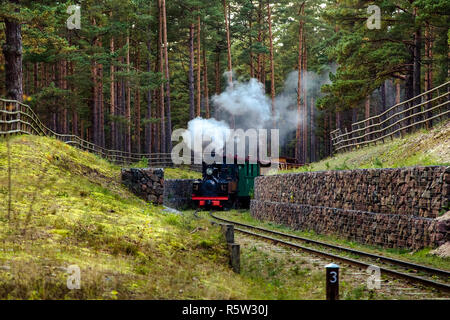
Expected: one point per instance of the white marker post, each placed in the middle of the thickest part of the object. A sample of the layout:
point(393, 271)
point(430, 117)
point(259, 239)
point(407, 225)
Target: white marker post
point(332, 278)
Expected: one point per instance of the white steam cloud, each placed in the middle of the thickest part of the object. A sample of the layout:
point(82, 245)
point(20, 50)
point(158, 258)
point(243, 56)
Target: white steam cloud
point(244, 105)
point(200, 129)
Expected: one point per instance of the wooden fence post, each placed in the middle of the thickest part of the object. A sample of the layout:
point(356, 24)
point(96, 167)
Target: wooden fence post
point(228, 230)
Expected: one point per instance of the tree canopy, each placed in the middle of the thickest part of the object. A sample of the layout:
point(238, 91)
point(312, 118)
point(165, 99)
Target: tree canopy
point(138, 69)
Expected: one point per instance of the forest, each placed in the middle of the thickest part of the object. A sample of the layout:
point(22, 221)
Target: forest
point(135, 70)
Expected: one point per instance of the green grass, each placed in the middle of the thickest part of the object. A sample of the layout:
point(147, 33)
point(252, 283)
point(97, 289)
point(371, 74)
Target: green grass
point(69, 207)
point(424, 148)
point(420, 256)
point(181, 173)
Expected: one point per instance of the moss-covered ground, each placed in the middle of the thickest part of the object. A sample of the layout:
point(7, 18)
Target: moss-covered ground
point(181, 173)
point(422, 256)
point(424, 148)
point(68, 208)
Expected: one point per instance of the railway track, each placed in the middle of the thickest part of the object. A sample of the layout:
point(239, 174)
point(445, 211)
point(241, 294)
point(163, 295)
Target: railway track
point(393, 267)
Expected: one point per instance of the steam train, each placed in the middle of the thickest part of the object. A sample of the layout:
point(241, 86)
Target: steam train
point(225, 185)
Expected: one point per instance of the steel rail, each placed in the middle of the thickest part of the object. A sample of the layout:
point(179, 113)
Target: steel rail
point(427, 282)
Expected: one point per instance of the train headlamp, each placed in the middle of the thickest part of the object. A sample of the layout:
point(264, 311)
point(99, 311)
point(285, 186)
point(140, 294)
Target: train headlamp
point(209, 171)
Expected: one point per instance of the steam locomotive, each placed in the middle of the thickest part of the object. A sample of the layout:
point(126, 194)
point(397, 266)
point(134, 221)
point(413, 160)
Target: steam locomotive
point(225, 185)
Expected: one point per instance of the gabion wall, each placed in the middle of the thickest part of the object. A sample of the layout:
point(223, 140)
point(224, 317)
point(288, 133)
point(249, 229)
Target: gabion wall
point(178, 193)
point(387, 207)
point(146, 183)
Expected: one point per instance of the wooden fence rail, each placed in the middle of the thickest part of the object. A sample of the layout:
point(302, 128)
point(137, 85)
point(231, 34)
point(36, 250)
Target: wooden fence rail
point(422, 111)
point(19, 118)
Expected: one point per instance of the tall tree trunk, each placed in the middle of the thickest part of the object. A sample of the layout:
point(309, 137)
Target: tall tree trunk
point(227, 28)
point(417, 58)
point(367, 108)
point(137, 124)
point(166, 62)
point(217, 71)
point(417, 68)
point(101, 105)
point(95, 137)
point(252, 68)
point(26, 79)
point(162, 125)
point(94, 127)
point(338, 121)
point(409, 88)
point(12, 50)
point(313, 155)
point(55, 79)
point(119, 109)
point(305, 101)
point(155, 126)
point(397, 91)
point(272, 67)
point(82, 133)
point(191, 73)
point(205, 84)
point(298, 144)
point(35, 77)
point(112, 105)
point(128, 105)
point(199, 69)
point(429, 69)
point(367, 115)
point(75, 122)
point(148, 114)
point(354, 115)
point(65, 87)
point(260, 23)
point(56, 76)
point(409, 82)
point(263, 63)
point(325, 133)
point(383, 96)
point(75, 130)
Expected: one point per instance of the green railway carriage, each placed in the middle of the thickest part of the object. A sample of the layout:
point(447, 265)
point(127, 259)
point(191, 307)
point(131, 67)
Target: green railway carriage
point(246, 178)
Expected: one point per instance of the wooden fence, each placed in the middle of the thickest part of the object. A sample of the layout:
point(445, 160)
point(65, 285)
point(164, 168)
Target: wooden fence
point(422, 111)
point(18, 118)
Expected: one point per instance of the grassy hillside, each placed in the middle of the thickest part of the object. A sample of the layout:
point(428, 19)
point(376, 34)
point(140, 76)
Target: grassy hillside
point(425, 147)
point(68, 207)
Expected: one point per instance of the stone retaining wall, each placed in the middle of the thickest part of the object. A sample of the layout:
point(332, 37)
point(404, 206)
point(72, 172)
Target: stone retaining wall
point(149, 184)
point(386, 207)
point(418, 191)
point(386, 230)
point(146, 183)
point(178, 193)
